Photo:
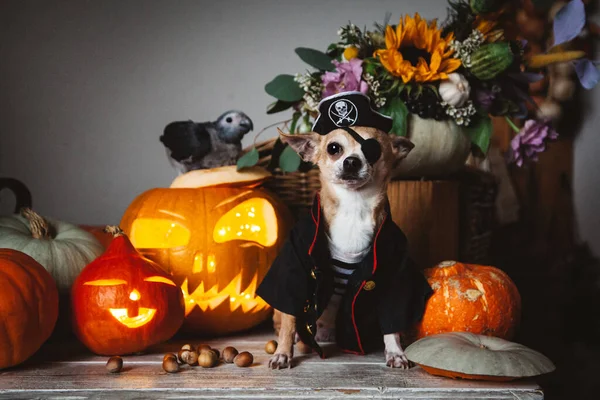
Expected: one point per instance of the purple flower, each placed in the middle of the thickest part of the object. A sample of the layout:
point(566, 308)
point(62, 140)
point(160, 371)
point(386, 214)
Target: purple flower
point(531, 140)
point(347, 77)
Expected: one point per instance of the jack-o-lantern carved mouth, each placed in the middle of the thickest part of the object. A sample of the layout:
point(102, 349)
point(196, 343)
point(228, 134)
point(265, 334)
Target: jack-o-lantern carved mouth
point(145, 315)
point(232, 294)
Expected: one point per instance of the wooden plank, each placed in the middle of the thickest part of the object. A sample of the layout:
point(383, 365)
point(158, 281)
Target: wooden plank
point(61, 373)
point(269, 394)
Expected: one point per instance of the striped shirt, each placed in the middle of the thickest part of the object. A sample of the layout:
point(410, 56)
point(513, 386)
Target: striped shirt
point(343, 265)
point(341, 273)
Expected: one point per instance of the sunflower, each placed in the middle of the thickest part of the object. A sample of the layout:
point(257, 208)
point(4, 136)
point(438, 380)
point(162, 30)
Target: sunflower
point(416, 51)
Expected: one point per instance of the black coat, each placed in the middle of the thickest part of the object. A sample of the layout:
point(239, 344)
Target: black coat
point(385, 294)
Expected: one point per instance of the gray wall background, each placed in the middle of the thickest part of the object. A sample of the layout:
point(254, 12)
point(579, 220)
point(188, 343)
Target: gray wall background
point(86, 88)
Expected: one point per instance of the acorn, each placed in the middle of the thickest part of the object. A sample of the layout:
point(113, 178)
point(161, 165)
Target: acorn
point(244, 359)
point(485, 6)
point(491, 59)
point(208, 359)
point(114, 364)
point(170, 365)
point(229, 354)
point(271, 346)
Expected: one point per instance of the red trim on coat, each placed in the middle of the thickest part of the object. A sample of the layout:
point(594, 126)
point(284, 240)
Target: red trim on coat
point(375, 245)
point(356, 353)
point(317, 222)
point(354, 320)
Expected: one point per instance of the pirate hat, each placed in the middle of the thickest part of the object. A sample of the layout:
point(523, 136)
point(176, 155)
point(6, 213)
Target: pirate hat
point(349, 109)
point(343, 110)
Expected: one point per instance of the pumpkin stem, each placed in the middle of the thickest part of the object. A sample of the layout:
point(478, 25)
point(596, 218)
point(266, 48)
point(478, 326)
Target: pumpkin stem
point(114, 230)
point(40, 228)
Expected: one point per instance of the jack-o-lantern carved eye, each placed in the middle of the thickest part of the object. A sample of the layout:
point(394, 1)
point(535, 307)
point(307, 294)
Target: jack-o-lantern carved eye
point(160, 279)
point(253, 220)
point(156, 233)
point(106, 282)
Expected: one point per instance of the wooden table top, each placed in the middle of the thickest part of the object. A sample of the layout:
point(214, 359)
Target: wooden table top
point(69, 371)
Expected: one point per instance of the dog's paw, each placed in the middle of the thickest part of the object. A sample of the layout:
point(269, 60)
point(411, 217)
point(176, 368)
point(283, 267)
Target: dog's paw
point(396, 360)
point(282, 360)
point(325, 334)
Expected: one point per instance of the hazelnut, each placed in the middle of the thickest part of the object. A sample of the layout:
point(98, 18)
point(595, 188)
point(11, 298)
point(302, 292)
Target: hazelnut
point(189, 357)
point(114, 364)
point(187, 346)
point(229, 354)
point(170, 365)
point(244, 359)
point(181, 354)
point(203, 347)
point(169, 355)
point(271, 346)
point(217, 352)
point(208, 359)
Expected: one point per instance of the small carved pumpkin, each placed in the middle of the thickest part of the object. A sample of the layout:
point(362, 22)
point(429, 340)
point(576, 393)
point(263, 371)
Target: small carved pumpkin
point(470, 298)
point(218, 241)
point(469, 356)
point(122, 302)
point(62, 248)
point(28, 307)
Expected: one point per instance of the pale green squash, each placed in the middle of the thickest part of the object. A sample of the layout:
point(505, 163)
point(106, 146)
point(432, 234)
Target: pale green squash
point(63, 249)
point(441, 148)
point(469, 356)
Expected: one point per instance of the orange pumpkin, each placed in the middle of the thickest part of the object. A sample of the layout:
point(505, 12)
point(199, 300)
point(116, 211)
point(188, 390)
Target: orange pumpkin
point(122, 302)
point(28, 306)
point(217, 241)
point(470, 298)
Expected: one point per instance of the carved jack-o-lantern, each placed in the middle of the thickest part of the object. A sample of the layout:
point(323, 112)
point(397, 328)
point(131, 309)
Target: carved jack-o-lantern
point(123, 302)
point(217, 241)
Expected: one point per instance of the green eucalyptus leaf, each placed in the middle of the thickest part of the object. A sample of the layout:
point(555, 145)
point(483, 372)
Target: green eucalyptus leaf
point(396, 109)
point(249, 159)
point(480, 133)
point(279, 106)
point(289, 160)
point(315, 58)
point(285, 88)
point(295, 119)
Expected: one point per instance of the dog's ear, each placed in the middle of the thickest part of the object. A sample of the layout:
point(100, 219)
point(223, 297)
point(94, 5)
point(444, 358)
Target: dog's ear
point(304, 144)
point(401, 146)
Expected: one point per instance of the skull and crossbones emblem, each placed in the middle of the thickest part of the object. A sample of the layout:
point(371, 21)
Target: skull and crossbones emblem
point(343, 113)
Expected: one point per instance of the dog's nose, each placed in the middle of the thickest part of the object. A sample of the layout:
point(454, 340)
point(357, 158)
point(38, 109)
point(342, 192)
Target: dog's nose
point(352, 164)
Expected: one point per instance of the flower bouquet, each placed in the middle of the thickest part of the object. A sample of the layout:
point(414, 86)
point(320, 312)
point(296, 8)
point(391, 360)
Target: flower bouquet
point(441, 84)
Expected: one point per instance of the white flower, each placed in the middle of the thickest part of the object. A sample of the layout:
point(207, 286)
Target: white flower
point(455, 90)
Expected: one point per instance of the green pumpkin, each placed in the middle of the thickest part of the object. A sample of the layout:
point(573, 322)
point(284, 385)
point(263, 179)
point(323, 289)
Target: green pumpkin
point(61, 248)
point(491, 59)
point(485, 6)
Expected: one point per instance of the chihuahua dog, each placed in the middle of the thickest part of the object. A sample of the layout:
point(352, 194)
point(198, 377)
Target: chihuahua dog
point(353, 198)
point(344, 273)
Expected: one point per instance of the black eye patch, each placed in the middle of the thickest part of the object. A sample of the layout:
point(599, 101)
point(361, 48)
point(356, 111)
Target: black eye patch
point(369, 147)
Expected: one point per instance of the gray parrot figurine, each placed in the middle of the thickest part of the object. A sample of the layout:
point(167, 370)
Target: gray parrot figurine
point(191, 145)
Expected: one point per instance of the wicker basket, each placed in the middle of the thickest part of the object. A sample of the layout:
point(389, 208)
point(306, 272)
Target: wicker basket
point(476, 198)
